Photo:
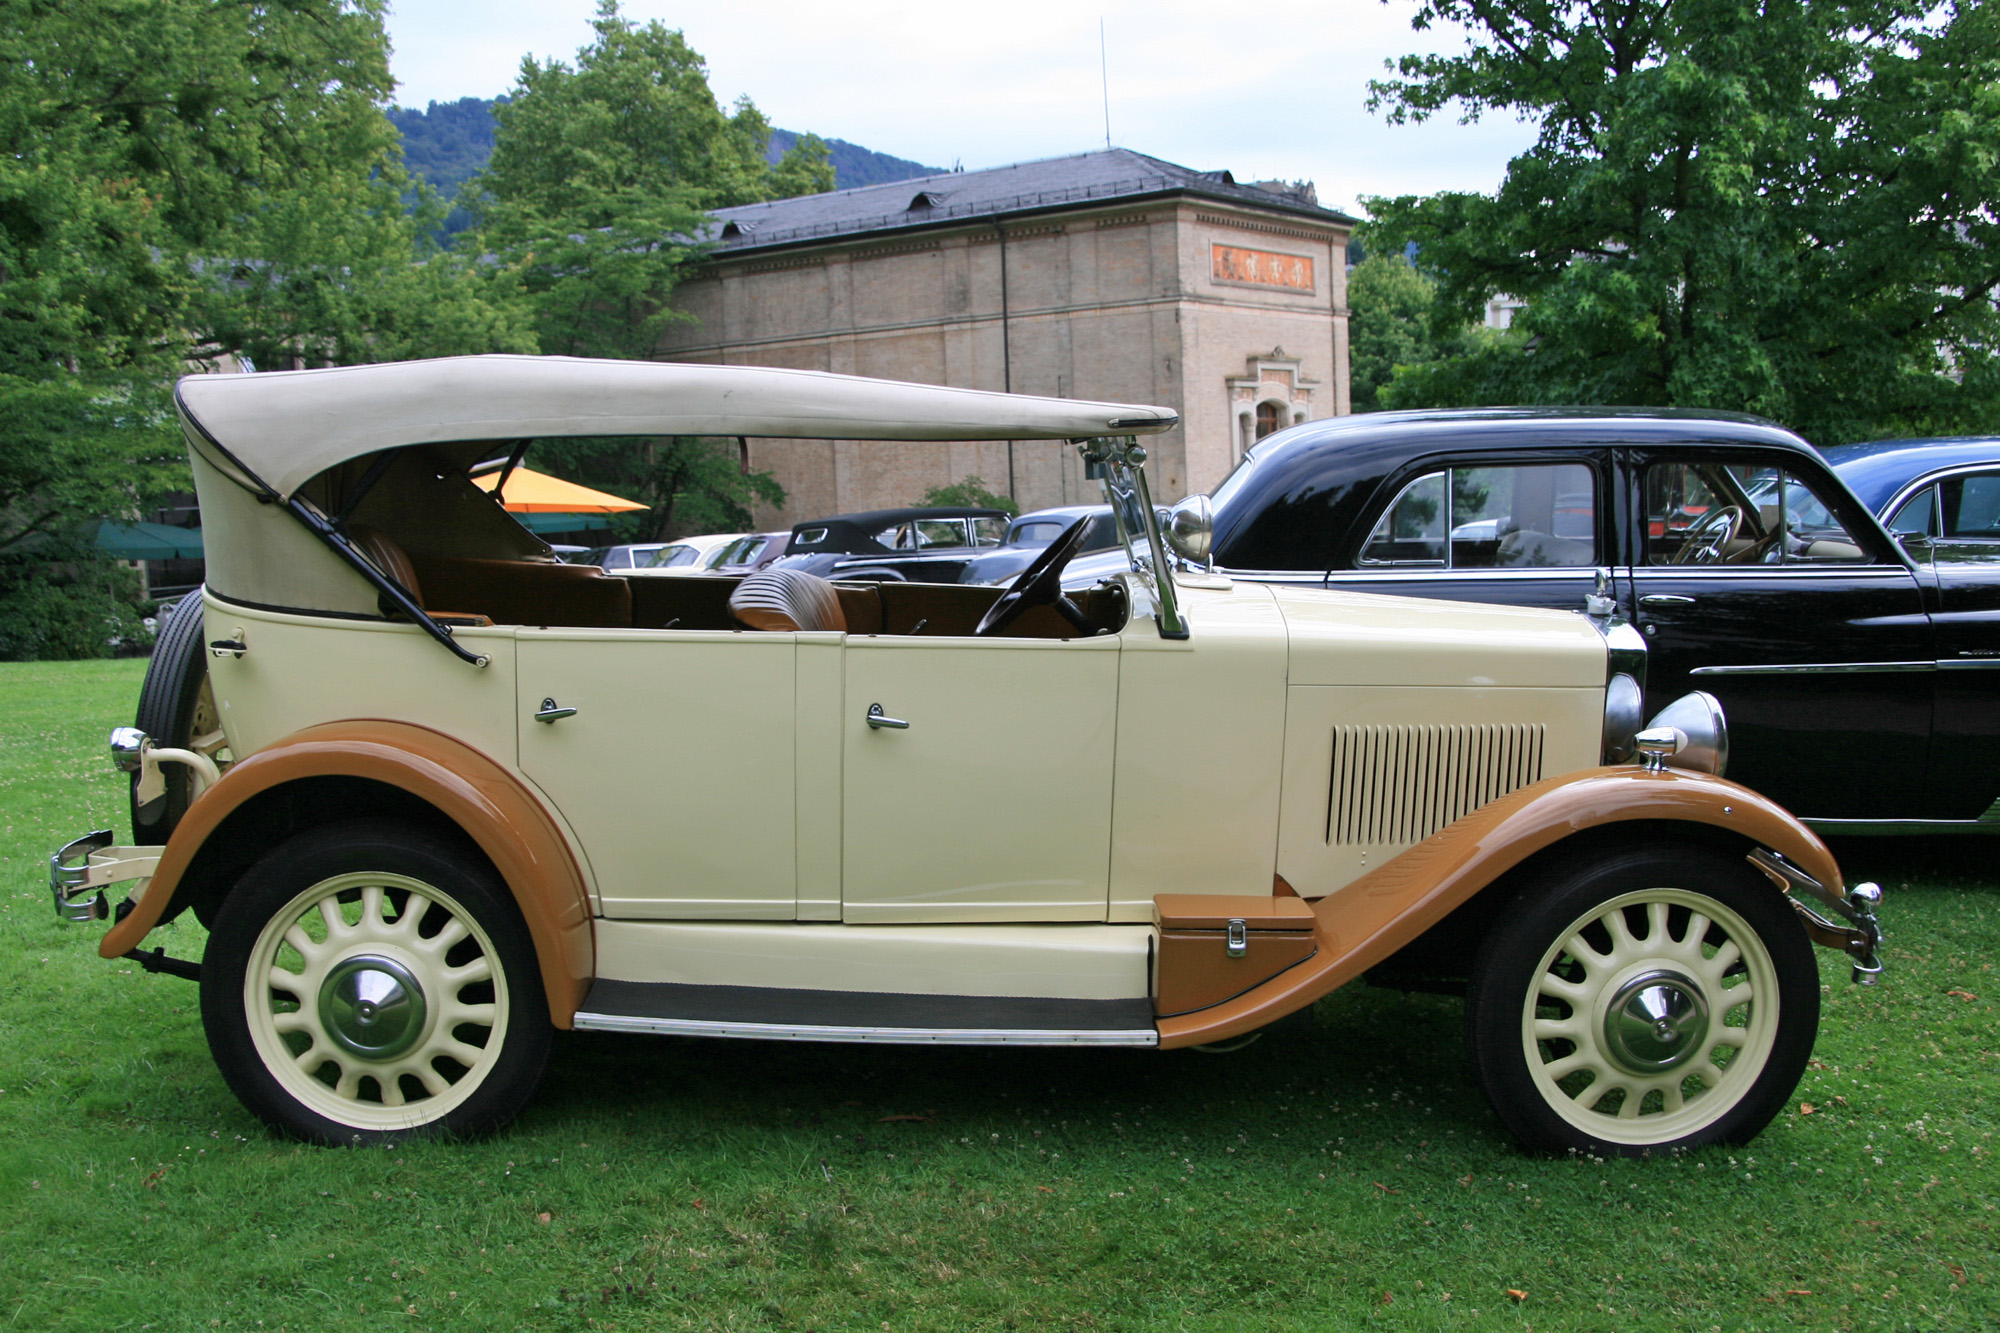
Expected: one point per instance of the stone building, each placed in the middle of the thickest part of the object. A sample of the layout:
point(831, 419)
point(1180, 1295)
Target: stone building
point(1107, 275)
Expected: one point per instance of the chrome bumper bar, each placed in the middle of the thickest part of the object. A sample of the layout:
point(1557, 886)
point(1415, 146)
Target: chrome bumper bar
point(1856, 933)
point(79, 872)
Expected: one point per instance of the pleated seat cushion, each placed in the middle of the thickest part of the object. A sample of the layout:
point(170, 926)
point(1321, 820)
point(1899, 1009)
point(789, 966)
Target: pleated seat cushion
point(787, 599)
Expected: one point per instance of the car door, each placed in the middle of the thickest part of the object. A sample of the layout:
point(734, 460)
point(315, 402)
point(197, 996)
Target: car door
point(1524, 531)
point(1761, 580)
point(675, 771)
point(980, 790)
point(1951, 526)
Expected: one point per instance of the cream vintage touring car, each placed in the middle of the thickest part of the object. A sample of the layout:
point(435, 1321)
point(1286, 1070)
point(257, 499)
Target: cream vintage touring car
point(438, 795)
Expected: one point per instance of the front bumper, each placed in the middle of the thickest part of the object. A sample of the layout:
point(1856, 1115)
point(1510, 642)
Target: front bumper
point(1856, 933)
point(80, 871)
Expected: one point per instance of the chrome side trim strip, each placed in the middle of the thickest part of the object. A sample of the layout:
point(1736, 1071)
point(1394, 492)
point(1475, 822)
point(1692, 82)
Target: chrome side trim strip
point(1969, 664)
point(1813, 668)
point(705, 1027)
point(1988, 822)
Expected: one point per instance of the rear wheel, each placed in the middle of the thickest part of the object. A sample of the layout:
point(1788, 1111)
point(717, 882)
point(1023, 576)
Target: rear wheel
point(1651, 1000)
point(369, 981)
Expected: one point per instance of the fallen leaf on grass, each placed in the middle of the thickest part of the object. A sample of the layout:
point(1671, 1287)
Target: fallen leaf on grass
point(1517, 1294)
point(890, 1119)
point(1807, 1108)
point(1797, 1291)
point(701, 1203)
point(1962, 994)
point(543, 1219)
point(1466, 1180)
point(1045, 1189)
point(1384, 1188)
point(1957, 1273)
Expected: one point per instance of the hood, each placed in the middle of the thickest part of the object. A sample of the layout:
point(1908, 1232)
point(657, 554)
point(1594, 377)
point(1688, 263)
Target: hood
point(1351, 638)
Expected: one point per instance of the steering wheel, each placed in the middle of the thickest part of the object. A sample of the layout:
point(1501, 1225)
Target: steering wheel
point(1040, 584)
point(1702, 543)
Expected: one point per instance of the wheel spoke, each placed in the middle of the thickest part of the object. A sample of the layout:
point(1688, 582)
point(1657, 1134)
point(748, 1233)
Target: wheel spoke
point(1548, 1029)
point(1560, 988)
point(308, 948)
point(479, 969)
point(371, 907)
point(391, 1083)
point(1725, 958)
point(479, 1015)
point(348, 1086)
point(1579, 948)
point(1672, 1098)
point(1656, 924)
point(329, 912)
point(1570, 1064)
point(1634, 1099)
point(434, 1083)
point(295, 1021)
point(291, 983)
point(414, 908)
point(1622, 941)
point(1600, 1088)
point(441, 943)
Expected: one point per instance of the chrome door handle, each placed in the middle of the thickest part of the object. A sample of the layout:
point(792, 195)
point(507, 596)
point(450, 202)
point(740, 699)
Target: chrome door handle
point(551, 711)
point(879, 719)
point(1665, 599)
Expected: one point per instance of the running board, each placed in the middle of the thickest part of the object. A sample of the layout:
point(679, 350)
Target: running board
point(773, 1014)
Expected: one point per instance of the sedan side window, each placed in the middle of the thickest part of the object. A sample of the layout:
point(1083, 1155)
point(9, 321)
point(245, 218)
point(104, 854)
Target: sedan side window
point(1972, 507)
point(1412, 532)
point(1918, 516)
point(1533, 516)
point(1711, 513)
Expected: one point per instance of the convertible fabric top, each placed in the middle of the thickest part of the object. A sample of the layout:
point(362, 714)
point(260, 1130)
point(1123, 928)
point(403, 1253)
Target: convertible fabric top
point(286, 427)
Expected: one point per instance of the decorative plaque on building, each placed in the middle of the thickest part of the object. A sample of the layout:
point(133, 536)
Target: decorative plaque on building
point(1262, 268)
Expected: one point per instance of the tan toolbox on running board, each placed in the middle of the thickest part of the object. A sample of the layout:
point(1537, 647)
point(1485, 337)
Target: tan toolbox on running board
point(1215, 946)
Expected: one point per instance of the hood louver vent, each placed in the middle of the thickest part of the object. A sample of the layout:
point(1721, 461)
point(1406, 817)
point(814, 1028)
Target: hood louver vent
point(1397, 785)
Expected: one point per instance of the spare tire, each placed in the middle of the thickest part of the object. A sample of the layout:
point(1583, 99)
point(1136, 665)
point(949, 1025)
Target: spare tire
point(176, 708)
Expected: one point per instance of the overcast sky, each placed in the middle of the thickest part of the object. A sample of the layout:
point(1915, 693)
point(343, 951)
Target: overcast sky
point(1270, 90)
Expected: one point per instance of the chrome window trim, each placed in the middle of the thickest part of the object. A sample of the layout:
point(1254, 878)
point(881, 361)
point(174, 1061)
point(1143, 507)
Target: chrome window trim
point(1931, 479)
point(1877, 568)
point(1407, 572)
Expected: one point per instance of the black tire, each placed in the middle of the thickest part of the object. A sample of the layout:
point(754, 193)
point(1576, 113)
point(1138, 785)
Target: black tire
point(1716, 1025)
point(413, 1045)
point(169, 703)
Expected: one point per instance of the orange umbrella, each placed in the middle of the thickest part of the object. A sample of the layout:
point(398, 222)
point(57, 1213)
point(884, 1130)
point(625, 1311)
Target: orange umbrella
point(532, 492)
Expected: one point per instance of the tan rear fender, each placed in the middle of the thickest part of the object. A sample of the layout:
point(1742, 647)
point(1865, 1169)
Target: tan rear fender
point(480, 796)
point(1366, 922)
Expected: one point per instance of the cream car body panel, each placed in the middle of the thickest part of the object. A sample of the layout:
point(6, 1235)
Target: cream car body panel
point(1077, 962)
point(677, 769)
point(300, 670)
point(1370, 771)
point(1023, 727)
point(1195, 808)
point(1343, 638)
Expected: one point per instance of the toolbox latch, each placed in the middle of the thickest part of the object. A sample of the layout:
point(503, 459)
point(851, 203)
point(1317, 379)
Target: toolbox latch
point(1238, 937)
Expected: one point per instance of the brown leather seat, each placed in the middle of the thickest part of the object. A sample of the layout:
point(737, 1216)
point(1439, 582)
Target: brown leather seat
point(787, 599)
point(387, 555)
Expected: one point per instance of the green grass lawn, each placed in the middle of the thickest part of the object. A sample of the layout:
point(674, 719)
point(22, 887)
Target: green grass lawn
point(1348, 1175)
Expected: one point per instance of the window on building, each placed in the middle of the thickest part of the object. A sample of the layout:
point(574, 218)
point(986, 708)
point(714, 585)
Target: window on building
point(1270, 417)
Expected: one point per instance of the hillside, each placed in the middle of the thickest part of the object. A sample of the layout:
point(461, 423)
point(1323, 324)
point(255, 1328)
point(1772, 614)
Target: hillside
point(446, 143)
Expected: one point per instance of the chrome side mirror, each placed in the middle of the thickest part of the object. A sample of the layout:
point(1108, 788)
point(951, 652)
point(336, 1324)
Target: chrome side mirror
point(1191, 529)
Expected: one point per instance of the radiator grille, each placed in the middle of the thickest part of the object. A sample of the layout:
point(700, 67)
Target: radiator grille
point(1400, 784)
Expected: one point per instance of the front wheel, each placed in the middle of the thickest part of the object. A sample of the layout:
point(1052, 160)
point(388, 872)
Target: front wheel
point(1645, 1001)
point(368, 981)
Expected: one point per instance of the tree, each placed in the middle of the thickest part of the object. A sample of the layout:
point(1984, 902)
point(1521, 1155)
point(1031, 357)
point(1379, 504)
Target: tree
point(596, 196)
point(971, 493)
point(1784, 206)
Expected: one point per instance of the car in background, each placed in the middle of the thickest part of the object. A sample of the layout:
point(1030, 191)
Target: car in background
point(1751, 569)
point(747, 554)
point(914, 545)
point(689, 555)
point(1030, 534)
point(620, 559)
point(1939, 497)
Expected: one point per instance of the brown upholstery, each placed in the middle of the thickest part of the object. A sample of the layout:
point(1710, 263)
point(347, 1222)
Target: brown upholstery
point(528, 592)
point(387, 555)
point(787, 599)
point(681, 601)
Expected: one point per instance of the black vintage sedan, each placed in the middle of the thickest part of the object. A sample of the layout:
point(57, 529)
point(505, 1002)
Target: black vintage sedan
point(927, 545)
point(1751, 570)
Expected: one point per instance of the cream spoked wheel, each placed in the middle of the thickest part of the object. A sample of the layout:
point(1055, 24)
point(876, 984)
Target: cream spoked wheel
point(1651, 1015)
point(1653, 1000)
point(368, 981)
point(373, 999)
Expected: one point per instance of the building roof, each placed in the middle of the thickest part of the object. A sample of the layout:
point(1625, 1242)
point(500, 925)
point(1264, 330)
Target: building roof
point(955, 197)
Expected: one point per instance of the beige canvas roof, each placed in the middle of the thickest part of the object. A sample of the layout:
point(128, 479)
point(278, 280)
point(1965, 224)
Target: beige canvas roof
point(286, 427)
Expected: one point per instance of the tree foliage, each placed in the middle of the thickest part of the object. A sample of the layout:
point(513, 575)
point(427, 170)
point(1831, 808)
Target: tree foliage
point(1784, 206)
point(602, 176)
point(970, 493)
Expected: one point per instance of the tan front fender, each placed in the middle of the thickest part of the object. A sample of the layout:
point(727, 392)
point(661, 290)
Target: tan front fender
point(1369, 920)
point(470, 789)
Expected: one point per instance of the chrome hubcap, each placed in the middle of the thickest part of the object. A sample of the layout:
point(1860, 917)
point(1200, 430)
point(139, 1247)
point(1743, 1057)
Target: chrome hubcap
point(1657, 1021)
point(372, 1007)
